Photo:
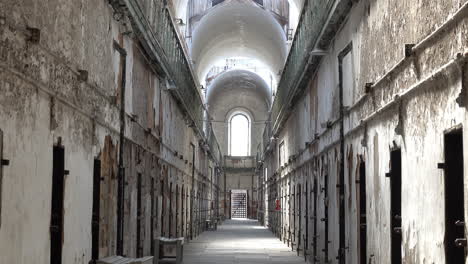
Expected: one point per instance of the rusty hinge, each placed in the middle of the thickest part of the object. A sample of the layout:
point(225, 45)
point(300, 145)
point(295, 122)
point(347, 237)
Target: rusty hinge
point(409, 50)
point(460, 242)
point(5, 162)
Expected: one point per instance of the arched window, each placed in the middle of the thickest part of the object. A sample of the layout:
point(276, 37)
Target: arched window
point(239, 135)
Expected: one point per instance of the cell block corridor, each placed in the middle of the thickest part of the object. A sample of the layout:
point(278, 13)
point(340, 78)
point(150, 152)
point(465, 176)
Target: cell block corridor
point(233, 131)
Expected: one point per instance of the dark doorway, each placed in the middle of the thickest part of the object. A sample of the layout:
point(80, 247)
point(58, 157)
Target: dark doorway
point(163, 208)
point(325, 219)
point(182, 211)
point(293, 212)
point(299, 220)
point(362, 213)
point(455, 241)
point(170, 210)
point(139, 216)
point(153, 214)
point(395, 207)
point(96, 210)
point(306, 218)
point(58, 188)
point(187, 207)
point(315, 223)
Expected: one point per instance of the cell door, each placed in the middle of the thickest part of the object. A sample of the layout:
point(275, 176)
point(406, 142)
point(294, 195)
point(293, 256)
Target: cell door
point(395, 206)
point(362, 213)
point(96, 210)
point(455, 239)
point(299, 218)
point(56, 221)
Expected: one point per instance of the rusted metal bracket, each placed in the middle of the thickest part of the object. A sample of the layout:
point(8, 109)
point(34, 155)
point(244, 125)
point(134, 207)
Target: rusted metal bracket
point(368, 87)
point(462, 97)
point(409, 50)
point(34, 35)
point(83, 75)
point(461, 242)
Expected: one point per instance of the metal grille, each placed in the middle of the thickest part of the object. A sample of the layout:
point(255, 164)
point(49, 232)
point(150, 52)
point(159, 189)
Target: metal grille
point(239, 205)
point(155, 28)
point(312, 23)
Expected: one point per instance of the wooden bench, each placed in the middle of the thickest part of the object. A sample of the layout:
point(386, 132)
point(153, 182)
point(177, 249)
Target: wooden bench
point(169, 248)
point(122, 260)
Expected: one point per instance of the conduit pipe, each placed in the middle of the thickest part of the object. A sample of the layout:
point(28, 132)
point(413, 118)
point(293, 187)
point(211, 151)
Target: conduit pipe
point(121, 172)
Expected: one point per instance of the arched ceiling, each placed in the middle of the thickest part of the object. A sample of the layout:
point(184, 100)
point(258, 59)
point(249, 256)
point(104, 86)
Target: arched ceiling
point(238, 29)
point(238, 89)
point(180, 6)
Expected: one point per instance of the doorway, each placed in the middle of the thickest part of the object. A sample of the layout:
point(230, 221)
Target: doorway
point(395, 207)
point(239, 204)
point(455, 240)
point(362, 212)
point(96, 210)
point(58, 188)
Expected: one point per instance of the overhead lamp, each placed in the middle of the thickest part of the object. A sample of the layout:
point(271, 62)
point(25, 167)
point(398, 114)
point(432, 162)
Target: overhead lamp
point(318, 52)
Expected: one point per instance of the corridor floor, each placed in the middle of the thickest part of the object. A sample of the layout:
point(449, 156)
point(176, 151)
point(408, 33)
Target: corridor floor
point(240, 242)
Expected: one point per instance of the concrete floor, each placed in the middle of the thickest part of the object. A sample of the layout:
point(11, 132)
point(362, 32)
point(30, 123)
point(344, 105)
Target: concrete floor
point(239, 241)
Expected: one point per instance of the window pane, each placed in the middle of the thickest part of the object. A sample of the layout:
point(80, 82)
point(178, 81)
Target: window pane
point(239, 136)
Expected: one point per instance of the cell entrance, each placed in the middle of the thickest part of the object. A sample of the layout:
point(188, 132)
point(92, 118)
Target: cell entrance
point(96, 210)
point(395, 213)
point(58, 188)
point(362, 213)
point(239, 204)
point(455, 240)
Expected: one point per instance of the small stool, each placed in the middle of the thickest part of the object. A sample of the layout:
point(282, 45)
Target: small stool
point(122, 260)
point(169, 248)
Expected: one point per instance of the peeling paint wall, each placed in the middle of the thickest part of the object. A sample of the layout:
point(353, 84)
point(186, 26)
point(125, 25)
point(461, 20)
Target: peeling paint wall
point(67, 87)
point(410, 108)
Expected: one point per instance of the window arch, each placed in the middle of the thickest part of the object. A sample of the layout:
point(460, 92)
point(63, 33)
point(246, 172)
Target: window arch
point(239, 134)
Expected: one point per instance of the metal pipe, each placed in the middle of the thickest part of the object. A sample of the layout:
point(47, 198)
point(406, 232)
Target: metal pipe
point(342, 222)
point(121, 172)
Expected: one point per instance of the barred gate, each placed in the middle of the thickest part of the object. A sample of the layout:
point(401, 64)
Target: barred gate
point(239, 204)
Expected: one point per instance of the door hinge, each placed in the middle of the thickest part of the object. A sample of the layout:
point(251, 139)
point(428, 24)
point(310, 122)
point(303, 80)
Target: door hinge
point(441, 166)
